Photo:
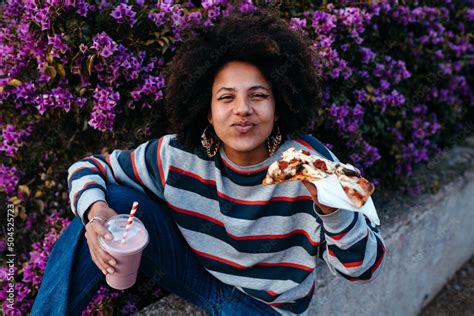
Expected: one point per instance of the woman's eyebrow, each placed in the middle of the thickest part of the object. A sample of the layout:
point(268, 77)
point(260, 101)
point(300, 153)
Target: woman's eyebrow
point(250, 89)
point(225, 88)
point(258, 87)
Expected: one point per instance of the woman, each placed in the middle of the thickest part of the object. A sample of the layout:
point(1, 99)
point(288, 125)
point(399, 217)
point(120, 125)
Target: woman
point(238, 95)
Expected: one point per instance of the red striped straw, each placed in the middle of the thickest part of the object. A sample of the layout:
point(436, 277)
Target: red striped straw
point(130, 220)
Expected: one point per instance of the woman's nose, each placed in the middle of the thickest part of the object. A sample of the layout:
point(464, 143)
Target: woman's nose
point(243, 107)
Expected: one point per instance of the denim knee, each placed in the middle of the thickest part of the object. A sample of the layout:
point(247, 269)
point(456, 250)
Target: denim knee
point(120, 198)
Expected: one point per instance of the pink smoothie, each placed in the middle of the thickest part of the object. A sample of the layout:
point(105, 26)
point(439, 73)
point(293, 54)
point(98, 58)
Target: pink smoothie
point(127, 254)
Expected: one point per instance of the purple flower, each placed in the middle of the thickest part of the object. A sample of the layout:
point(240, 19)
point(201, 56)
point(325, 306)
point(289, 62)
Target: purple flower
point(384, 85)
point(420, 108)
point(297, 23)
point(379, 70)
point(58, 46)
point(57, 98)
point(214, 13)
point(3, 247)
point(419, 133)
point(42, 17)
point(371, 154)
point(323, 23)
point(102, 295)
point(83, 7)
point(358, 112)
point(246, 6)
point(355, 20)
point(355, 158)
point(104, 44)
point(83, 48)
point(207, 4)
point(129, 308)
point(23, 94)
point(330, 146)
point(158, 18)
point(367, 55)
point(335, 73)
point(153, 85)
point(435, 127)
point(352, 127)
point(360, 95)
point(345, 47)
point(8, 179)
point(124, 14)
point(103, 112)
point(469, 15)
point(13, 139)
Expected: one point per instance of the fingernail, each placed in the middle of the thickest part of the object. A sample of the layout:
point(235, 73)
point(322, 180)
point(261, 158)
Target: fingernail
point(104, 272)
point(111, 271)
point(112, 262)
point(108, 236)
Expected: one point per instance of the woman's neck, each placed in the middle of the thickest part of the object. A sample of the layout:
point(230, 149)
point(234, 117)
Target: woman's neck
point(247, 158)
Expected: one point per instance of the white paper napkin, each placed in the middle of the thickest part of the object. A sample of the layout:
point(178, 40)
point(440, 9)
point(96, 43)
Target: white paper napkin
point(331, 193)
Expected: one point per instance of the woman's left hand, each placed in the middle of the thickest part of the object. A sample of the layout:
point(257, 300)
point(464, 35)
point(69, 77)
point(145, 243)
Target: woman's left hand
point(314, 193)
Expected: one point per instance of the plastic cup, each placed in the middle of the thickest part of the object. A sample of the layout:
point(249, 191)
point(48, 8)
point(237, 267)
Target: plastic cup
point(127, 254)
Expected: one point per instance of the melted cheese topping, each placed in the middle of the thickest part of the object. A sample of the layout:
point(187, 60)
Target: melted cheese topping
point(296, 158)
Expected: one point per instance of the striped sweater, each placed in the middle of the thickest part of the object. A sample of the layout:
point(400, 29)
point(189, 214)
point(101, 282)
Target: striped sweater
point(264, 240)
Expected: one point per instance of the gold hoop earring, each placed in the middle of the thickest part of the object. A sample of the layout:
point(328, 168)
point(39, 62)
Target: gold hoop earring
point(210, 143)
point(273, 142)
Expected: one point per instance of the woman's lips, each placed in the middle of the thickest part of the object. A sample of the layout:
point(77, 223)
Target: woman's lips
point(243, 129)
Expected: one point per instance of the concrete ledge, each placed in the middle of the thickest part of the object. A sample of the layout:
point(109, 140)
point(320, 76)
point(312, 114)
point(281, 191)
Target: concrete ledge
point(428, 239)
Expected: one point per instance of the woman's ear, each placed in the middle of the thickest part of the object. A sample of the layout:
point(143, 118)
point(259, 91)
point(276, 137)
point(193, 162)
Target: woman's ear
point(209, 118)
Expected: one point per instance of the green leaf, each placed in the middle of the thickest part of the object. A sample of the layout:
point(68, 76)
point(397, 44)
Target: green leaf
point(60, 70)
point(51, 71)
point(49, 58)
point(89, 63)
point(77, 55)
point(41, 205)
point(14, 82)
point(22, 214)
point(166, 39)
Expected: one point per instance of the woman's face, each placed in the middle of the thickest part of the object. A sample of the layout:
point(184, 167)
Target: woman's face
point(242, 112)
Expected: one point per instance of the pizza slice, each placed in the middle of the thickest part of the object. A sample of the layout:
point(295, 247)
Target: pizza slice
point(298, 165)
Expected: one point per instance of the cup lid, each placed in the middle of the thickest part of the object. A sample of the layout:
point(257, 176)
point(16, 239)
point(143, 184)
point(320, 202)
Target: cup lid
point(136, 238)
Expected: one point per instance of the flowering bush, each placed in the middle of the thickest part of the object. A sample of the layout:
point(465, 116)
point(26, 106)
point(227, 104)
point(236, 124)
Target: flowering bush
point(80, 75)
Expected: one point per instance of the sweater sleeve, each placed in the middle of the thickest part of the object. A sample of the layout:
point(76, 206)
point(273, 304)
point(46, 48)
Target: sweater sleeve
point(354, 248)
point(141, 168)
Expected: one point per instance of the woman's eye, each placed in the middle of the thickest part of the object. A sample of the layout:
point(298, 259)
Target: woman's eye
point(227, 97)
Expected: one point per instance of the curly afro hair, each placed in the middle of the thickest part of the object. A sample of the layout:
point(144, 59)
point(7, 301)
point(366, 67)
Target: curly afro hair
point(261, 38)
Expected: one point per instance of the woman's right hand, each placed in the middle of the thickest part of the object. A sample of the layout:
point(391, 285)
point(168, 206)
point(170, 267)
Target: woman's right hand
point(104, 261)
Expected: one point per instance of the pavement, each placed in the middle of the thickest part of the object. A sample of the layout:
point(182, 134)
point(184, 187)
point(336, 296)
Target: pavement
point(456, 298)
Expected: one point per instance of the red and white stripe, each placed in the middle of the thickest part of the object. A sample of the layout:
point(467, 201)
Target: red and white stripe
point(130, 219)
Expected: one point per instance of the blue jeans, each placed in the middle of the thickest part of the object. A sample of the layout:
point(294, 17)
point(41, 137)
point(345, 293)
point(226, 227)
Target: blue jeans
point(71, 278)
